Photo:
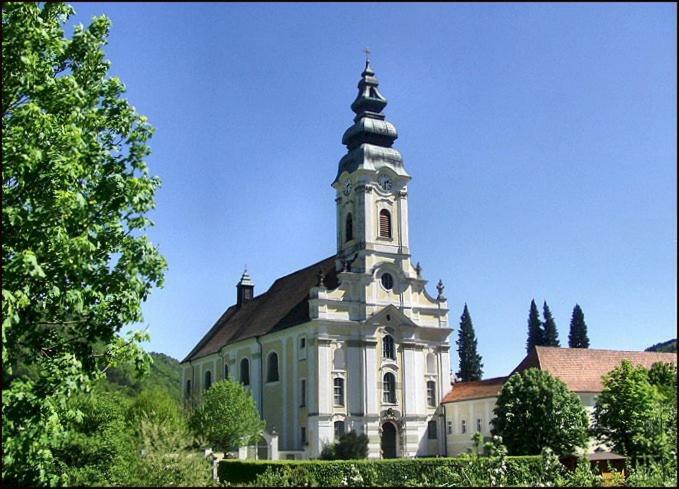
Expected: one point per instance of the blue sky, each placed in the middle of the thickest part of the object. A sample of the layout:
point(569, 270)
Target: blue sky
point(540, 137)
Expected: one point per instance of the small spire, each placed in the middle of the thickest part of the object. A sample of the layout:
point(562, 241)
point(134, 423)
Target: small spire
point(321, 278)
point(245, 279)
point(418, 270)
point(439, 288)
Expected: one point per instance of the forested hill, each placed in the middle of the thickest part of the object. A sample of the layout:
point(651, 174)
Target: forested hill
point(669, 346)
point(164, 373)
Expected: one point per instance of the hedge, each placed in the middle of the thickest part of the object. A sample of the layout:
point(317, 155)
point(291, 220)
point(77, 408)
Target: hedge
point(391, 472)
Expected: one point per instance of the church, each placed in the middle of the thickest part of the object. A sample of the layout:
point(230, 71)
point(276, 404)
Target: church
point(354, 341)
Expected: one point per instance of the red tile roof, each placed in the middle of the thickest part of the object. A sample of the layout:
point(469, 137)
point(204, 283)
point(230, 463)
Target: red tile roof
point(479, 389)
point(580, 369)
point(284, 305)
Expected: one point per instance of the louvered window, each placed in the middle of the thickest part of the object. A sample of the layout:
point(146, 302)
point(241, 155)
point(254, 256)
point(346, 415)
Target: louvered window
point(385, 224)
point(349, 231)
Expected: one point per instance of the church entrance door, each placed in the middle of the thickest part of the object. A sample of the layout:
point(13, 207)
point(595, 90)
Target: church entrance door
point(388, 443)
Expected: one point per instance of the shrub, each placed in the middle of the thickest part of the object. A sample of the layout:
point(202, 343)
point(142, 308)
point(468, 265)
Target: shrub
point(350, 446)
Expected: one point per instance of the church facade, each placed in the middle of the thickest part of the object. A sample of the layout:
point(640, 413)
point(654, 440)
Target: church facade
point(354, 341)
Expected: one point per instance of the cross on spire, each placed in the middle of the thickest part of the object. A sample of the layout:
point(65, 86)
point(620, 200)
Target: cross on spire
point(367, 54)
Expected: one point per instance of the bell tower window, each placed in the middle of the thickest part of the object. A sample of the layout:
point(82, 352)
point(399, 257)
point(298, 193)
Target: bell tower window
point(349, 228)
point(385, 224)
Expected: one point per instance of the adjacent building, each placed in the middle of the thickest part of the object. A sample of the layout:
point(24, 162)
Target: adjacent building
point(469, 405)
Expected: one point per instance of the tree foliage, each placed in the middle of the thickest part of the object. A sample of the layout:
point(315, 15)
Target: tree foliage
point(76, 191)
point(536, 336)
point(577, 336)
point(471, 367)
point(349, 446)
point(535, 410)
point(227, 417)
point(551, 335)
point(635, 415)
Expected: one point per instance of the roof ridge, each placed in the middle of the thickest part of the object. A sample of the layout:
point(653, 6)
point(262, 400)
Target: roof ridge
point(543, 347)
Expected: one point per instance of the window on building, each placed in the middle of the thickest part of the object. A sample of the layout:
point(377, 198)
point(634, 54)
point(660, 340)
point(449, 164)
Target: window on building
point(389, 388)
point(478, 425)
point(188, 388)
point(301, 352)
point(339, 391)
point(303, 435)
point(450, 427)
point(338, 359)
point(302, 393)
point(339, 429)
point(431, 430)
point(431, 393)
point(463, 427)
point(387, 281)
point(245, 371)
point(226, 371)
point(431, 364)
point(208, 380)
point(272, 367)
point(349, 228)
point(388, 347)
point(385, 224)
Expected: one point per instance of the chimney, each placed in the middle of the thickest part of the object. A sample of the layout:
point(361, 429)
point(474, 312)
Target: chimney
point(245, 289)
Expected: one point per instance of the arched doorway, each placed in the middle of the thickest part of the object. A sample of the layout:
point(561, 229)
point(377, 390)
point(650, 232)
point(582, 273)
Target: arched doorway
point(388, 441)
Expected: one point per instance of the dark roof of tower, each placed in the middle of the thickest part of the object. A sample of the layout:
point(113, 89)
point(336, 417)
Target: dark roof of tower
point(369, 140)
point(284, 305)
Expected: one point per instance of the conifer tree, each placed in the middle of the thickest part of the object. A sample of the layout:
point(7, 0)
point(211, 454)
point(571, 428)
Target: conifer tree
point(551, 334)
point(536, 336)
point(470, 361)
point(577, 337)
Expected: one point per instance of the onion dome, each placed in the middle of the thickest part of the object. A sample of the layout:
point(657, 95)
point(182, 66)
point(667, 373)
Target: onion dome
point(369, 140)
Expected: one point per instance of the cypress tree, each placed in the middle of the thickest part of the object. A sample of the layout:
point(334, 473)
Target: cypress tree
point(470, 361)
point(535, 334)
point(577, 337)
point(551, 334)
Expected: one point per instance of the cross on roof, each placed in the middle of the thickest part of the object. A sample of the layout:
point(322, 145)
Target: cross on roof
point(367, 53)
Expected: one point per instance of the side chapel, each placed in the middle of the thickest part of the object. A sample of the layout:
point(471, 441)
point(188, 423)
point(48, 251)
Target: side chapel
point(354, 341)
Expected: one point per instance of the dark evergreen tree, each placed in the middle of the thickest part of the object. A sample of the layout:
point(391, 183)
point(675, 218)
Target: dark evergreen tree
point(551, 334)
point(536, 336)
point(577, 337)
point(470, 360)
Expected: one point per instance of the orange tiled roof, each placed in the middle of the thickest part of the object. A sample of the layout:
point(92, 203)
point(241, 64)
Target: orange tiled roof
point(580, 369)
point(479, 389)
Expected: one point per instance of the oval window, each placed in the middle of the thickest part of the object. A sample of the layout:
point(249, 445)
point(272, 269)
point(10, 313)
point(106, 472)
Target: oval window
point(387, 281)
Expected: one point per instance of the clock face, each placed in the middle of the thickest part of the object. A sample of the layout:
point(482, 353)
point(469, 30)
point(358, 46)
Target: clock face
point(347, 187)
point(385, 182)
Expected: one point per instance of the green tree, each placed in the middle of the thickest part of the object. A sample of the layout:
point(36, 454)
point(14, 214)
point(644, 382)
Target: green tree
point(536, 336)
point(577, 336)
point(471, 367)
point(551, 334)
point(632, 415)
point(535, 410)
point(157, 404)
point(227, 417)
point(349, 446)
point(76, 263)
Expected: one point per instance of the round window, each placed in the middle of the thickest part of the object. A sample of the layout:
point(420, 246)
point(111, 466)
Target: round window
point(387, 281)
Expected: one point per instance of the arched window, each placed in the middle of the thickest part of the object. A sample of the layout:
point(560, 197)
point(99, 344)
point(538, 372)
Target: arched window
point(349, 228)
point(431, 393)
point(338, 359)
point(339, 429)
point(245, 371)
point(388, 347)
point(385, 224)
point(338, 385)
point(208, 380)
point(226, 371)
point(188, 388)
point(272, 368)
point(431, 364)
point(389, 388)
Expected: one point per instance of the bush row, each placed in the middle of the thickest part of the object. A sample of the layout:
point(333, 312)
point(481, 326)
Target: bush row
point(393, 472)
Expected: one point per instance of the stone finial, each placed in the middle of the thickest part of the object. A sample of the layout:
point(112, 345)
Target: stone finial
point(418, 270)
point(439, 288)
